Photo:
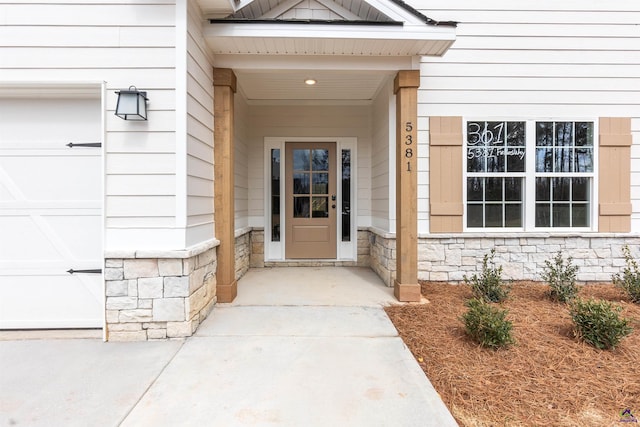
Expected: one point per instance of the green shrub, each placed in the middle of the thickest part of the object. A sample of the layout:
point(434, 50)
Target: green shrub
point(630, 279)
point(487, 325)
point(489, 286)
point(598, 323)
point(561, 278)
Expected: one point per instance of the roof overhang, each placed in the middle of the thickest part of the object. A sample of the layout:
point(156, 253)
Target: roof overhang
point(216, 8)
point(325, 38)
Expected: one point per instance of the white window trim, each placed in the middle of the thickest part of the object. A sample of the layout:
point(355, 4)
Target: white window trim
point(275, 251)
point(530, 174)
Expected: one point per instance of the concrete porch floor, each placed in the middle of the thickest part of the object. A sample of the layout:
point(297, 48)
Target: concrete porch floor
point(300, 346)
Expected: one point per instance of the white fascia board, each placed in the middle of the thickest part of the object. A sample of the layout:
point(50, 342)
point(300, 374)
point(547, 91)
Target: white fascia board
point(258, 63)
point(394, 11)
point(320, 31)
point(217, 7)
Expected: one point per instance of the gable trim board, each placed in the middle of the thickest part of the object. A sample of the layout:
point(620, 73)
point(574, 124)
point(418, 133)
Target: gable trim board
point(365, 10)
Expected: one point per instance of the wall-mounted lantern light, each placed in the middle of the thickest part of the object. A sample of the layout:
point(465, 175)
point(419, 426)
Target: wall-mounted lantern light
point(132, 104)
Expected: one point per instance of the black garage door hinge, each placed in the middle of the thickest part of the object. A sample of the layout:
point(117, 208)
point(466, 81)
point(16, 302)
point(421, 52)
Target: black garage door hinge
point(84, 144)
point(94, 271)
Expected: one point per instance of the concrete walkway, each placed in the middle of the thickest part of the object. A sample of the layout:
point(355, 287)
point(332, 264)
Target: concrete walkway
point(298, 347)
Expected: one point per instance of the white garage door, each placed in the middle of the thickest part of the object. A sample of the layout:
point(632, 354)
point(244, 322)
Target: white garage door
point(50, 214)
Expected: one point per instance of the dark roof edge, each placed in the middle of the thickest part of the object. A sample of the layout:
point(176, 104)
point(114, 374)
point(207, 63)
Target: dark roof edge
point(426, 19)
point(302, 21)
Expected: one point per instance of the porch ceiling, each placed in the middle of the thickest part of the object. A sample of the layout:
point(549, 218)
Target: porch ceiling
point(332, 87)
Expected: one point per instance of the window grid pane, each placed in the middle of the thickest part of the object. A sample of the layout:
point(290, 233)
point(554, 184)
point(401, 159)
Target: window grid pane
point(494, 202)
point(563, 202)
point(564, 147)
point(498, 149)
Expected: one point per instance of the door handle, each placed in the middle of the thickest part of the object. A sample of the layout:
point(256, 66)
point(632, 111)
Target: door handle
point(333, 197)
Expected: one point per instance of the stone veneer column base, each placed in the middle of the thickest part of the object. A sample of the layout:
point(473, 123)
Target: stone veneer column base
point(383, 256)
point(155, 295)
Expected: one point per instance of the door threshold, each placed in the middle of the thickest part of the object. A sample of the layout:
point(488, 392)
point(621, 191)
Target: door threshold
point(311, 263)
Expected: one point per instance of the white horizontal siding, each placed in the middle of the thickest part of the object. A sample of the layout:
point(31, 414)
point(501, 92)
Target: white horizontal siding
point(56, 36)
point(545, 59)
point(123, 43)
point(242, 136)
point(380, 162)
point(87, 13)
point(199, 85)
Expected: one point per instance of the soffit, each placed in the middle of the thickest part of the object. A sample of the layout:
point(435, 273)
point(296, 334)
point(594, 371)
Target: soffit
point(217, 8)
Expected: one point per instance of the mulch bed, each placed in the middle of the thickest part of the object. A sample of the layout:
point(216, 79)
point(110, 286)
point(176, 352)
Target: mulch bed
point(549, 378)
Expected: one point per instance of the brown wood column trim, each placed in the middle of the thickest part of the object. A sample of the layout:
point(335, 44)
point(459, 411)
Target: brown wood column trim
point(406, 287)
point(224, 82)
point(445, 174)
point(614, 210)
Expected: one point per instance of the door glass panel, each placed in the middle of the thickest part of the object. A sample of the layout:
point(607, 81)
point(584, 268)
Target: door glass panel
point(300, 183)
point(320, 207)
point(301, 160)
point(275, 195)
point(346, 195)
point(301, 207)
point(320, 160)
point(320, 183)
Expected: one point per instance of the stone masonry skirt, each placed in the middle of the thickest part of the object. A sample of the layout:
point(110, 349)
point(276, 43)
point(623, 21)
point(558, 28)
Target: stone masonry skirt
point(159, 295)
point(449, 258)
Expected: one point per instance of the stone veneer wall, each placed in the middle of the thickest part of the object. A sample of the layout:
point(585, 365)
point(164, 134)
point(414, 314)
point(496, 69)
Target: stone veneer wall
point(257, 249)
point(522, 258)
point(449, 258)
point(155, 295)
point(243, 253)
point(383, 256)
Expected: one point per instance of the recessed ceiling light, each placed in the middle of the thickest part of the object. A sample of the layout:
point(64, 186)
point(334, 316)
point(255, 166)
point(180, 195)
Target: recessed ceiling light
point(310, 82)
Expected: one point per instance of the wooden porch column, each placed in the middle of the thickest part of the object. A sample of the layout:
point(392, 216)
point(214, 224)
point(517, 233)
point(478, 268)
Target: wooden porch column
point(224, 85)
point(406, 287)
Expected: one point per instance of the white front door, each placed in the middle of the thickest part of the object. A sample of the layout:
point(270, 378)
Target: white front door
point(50, 214)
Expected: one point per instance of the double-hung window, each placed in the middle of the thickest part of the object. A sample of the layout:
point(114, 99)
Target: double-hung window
point(564, 174)
point(526, 175)
point(496, 166)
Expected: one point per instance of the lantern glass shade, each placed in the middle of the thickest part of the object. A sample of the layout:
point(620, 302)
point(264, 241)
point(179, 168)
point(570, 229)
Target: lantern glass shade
point(132, 104)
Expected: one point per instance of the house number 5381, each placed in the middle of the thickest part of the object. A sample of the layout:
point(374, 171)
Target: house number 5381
point(408, 141)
